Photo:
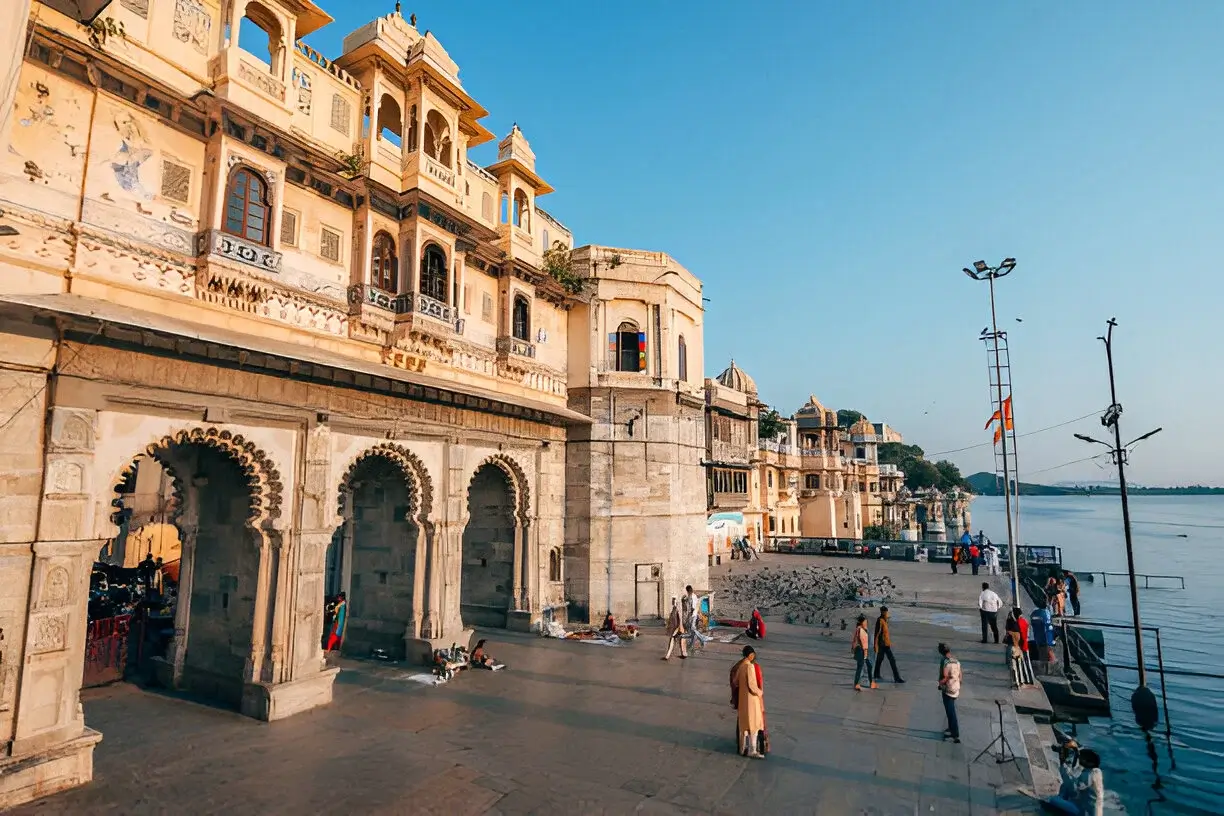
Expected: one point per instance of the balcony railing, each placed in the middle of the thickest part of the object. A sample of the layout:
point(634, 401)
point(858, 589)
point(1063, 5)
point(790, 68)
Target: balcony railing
point(361, 293)
point(216, 242)
point(439, 171)
point(513, 345)
point(415, 304)
point(815, 452)
point(775, 447)
point(480, 171)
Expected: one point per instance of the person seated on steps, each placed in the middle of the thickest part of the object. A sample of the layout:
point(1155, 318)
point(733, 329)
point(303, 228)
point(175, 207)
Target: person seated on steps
point(482, 660)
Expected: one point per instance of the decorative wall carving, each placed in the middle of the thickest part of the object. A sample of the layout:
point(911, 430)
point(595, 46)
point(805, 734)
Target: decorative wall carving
point(124, 225)
point(56, 588)
point(65, 477)
point(192, 24)
point(50, 633)
point(72, 430)
point(301, 81)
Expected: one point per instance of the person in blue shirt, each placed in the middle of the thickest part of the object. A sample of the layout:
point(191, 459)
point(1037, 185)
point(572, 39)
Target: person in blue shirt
point(1043, 632)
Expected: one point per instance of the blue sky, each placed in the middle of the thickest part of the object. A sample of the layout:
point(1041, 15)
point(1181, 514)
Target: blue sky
point(828, 168)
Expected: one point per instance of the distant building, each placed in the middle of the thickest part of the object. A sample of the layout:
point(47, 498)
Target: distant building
point(732, 478)
point(887, 433)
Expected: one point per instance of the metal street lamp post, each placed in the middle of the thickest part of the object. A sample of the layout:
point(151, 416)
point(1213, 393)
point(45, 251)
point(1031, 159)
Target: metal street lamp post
point(1143, 702)
point(982, 271)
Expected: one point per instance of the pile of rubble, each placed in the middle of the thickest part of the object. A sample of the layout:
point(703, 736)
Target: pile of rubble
point(811, 595)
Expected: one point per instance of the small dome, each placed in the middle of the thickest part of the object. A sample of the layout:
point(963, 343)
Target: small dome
point(736, 378)
point(812, 406)
point(862, 428)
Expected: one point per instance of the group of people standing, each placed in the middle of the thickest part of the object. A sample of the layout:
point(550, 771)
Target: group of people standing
point(977, 551)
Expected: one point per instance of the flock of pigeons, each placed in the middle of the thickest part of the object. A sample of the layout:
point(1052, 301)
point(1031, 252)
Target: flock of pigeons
point(809, 596)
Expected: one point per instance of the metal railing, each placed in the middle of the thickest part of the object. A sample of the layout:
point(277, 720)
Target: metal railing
point(1147, 579)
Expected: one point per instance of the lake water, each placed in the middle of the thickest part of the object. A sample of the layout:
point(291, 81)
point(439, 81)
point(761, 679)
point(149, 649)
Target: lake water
point(1192, 636)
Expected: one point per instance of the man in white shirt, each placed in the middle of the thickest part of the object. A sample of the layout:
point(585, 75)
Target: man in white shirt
point(989, 604)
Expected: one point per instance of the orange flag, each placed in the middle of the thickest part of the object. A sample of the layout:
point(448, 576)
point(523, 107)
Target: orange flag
point(1006, 423)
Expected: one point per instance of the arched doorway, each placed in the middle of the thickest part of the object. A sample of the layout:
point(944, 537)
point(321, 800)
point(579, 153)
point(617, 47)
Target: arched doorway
point(184, 571)
point(374, 557)
point(489, 540)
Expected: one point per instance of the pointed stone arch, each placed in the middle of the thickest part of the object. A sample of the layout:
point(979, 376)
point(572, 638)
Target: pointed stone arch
point(519, 482)
point(522, 562)
point(262, 478)
point(402, 563)
point(409, 464)
point(225, 500)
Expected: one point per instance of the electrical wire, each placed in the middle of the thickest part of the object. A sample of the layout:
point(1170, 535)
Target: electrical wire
point(47, 378)
point(1066, 464)
point(1018, 436)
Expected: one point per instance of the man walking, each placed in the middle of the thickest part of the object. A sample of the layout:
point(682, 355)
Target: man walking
point(883, 640)
point(989, 604)
point(692, 609)
point(949, 689)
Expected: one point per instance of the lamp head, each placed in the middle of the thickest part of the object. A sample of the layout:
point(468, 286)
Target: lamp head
point(980, 266)
point(1008, 264)
point(971, 273)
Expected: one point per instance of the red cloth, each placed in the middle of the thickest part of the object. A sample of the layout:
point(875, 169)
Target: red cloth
point(1024, 632)
point(333, 642)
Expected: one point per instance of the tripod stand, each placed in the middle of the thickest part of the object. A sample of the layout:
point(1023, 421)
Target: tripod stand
point(1005, 754)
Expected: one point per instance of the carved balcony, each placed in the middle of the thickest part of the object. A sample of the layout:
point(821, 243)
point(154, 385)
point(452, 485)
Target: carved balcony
point(516, 347)
point(418, 311)
point(232, 248)
point(372, 311)
point(439, 171)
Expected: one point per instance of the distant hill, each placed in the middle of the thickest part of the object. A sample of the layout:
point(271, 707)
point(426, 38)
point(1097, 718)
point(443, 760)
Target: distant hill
point(986, 484)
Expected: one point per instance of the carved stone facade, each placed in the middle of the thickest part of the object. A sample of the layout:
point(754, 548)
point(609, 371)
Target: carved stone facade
point(339, 365)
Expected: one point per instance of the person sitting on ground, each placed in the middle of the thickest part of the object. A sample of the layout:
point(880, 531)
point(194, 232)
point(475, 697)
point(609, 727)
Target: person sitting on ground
point(1082, 792)
point(756, 626)
point(609, 624)
point(482, 659)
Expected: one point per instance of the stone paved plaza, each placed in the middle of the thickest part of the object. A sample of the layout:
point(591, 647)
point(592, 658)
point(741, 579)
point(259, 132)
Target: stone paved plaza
point(574, 728)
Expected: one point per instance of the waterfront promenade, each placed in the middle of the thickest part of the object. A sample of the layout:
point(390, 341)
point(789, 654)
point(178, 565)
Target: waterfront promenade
point(573, 728)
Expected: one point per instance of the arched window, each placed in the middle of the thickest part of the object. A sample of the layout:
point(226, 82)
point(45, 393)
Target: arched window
point(769, 476)
point(390, 120)
point(437, 142)
point(554, 564)
point(247, 208)
point(630, 348)
point(682, 352)
point(433, 273)
point(544, 245)
point(812, 481)
point(383, 264)
point(522, 210)
point(505, 209)
point(412, 128)
point(520, 323)
point(259, 34)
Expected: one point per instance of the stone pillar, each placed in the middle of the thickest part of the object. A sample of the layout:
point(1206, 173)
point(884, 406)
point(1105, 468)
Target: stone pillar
point(52, 750)
point(263, 603)
point(171, 670)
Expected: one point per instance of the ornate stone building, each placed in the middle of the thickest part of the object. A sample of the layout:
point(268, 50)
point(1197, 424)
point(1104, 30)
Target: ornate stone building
point(732, 478)
point(635, 491)
point(265, 300)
